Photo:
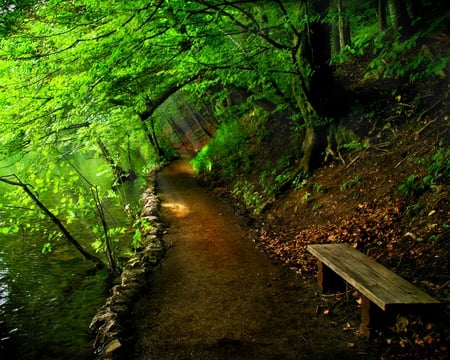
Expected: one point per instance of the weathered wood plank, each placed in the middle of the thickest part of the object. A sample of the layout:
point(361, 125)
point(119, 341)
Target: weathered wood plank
point(358, 265)
point(379, 284)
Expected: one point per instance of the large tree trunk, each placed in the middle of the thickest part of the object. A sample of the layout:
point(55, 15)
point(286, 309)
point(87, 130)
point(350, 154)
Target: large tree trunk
point(382, 22)
point(343, 26)
point(340, 27)
point(399, 17)
point(313, 93)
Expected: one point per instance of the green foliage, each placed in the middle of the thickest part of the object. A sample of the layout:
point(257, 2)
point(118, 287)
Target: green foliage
point(391, 55)
point(272, 181)
point(227, 151)
point(141, 226)
point(402, 58)
point(78, 72)
point(438, 167)
point(100, 243)
point(350, 184)
point(438, 173)
point(136, 242)
point(304, 199)
point(300, 181)
point(410, 186)
point(355, 145)
point(317, 187)
point(252, 198)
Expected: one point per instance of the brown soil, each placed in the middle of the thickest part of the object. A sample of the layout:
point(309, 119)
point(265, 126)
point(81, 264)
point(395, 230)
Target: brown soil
point(215, 296)
point(354, 198)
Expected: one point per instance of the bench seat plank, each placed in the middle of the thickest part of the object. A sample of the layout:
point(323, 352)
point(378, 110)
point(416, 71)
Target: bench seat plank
point(376, 282)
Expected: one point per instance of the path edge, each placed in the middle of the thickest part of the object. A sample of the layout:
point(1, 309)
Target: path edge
point(111, 325)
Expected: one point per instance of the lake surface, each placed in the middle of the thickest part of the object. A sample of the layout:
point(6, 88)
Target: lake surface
point(47, 301)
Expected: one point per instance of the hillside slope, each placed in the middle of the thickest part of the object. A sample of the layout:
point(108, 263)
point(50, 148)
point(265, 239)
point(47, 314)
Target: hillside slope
point(387, 195)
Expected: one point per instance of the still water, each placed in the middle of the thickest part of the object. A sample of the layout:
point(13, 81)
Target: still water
point(47, 301)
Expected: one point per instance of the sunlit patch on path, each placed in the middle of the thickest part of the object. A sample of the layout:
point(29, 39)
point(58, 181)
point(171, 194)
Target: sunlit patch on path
point(216, 296)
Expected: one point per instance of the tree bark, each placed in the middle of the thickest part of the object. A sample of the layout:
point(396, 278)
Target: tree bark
point(400, 19)
point(382, 22)
point(313, 92)
point(343, 26)
point(118, 172)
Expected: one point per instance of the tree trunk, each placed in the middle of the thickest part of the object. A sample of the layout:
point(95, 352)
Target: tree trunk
point(118, 172)
point(335, 43)
point(382, 22)
point(151, 137)
point(399, 17)
point(313, 93)
point(343, 26)
point(151, 108)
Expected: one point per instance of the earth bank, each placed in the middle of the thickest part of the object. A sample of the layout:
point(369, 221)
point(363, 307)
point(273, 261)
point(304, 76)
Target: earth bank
point(374, 198)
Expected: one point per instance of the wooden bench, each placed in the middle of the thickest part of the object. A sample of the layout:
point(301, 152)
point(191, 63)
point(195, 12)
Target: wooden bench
point(379, 286)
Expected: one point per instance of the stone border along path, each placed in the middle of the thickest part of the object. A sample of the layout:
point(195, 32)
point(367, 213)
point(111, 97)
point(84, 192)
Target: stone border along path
point(109, 323)
point(215, 296)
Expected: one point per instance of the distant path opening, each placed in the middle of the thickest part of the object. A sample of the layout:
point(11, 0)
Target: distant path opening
point(216, 296)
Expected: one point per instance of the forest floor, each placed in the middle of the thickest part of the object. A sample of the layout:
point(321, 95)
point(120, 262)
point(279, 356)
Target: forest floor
point(216, 296)
point(374, 199)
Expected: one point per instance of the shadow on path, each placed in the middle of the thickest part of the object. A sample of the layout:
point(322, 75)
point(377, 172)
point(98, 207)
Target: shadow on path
point(216, 296)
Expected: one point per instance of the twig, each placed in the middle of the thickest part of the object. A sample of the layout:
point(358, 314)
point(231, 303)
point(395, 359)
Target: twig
point(418, 132)
point(444, 285)
point(428, 109)
point(353, 161)
point(304, 339)
point(407, 105)
point(404, 159)
point(403, 255)
point(335, 294)
point(400, 162)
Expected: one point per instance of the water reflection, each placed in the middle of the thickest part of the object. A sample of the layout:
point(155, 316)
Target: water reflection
point(48, 300)
point(3, 286)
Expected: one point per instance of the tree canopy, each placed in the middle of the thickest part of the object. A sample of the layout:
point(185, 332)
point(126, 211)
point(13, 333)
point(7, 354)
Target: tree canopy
point(85, 75)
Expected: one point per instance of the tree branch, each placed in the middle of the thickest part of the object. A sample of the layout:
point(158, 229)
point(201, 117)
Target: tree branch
point(53, 218)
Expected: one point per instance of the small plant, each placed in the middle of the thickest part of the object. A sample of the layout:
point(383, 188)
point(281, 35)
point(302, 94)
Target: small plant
point(356, 145)
point(246, 191)
point(345, 186)
point(299, 181)
point(438, 172)
point(412, 210)
point(433, 237)
point(317, 207)
point(305, 198)
point(282, 178)
point(317, 187)
point(349, 184)
point(410, 186)
point(438, 167)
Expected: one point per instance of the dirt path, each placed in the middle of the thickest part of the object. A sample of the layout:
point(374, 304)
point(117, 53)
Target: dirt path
point(216, 296)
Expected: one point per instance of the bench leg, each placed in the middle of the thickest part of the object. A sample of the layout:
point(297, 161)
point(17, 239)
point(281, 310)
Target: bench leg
point(372, 317)
point(328, 280)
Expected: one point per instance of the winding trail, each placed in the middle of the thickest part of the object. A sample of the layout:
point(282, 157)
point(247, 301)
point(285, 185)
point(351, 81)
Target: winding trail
point(216, 296)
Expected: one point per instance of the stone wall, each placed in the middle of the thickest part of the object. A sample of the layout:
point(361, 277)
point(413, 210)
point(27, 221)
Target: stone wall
point(111, 323)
